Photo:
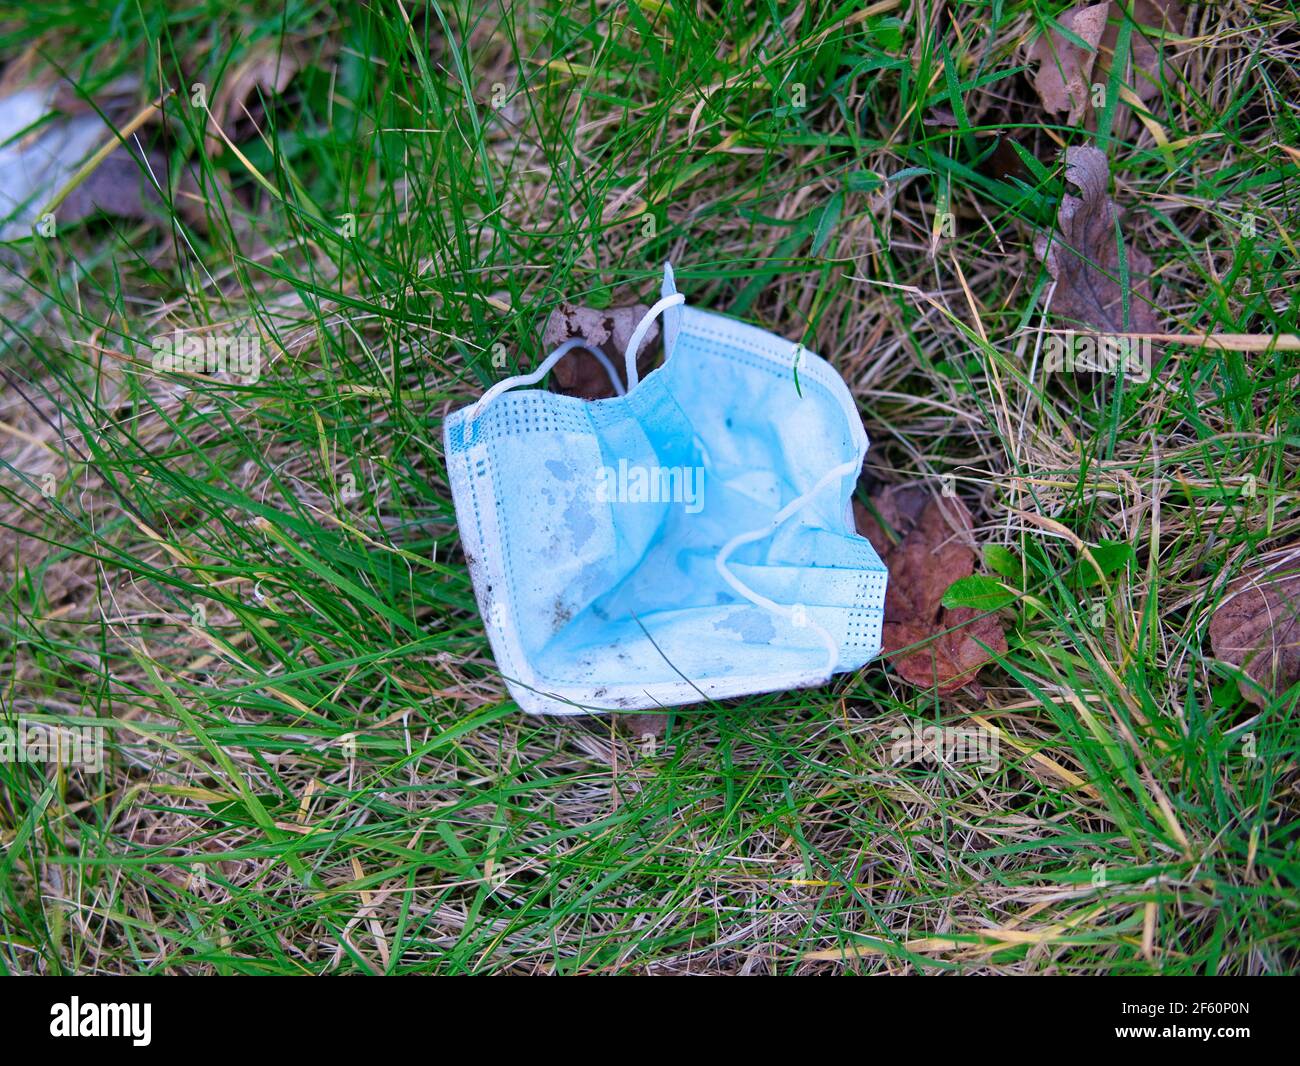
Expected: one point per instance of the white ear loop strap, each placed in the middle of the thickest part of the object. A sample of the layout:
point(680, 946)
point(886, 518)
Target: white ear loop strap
point(474, 409)
point(788, 613)
point(642, 328)
point(634, 343)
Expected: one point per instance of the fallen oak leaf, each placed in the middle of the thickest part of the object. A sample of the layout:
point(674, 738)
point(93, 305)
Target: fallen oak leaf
point(1064, 78)
point(947, 654)
point(581, 373)
point(895, 510)
point(121, 186)
point(1257, 628)
point(933, 553)
point(646, 728)
point(1088, 258)
point(35, 165)
point(926, 544)
point(1004, 163)
point(1142, 78)
point(265, 71)
point(1145, 51)
point(206, 197)
point(1067, 73)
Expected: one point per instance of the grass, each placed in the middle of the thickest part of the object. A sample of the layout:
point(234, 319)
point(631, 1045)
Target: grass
point(257, 591)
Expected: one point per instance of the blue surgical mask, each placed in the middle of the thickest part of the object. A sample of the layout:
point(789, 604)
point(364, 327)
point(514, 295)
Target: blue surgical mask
point(689, 539)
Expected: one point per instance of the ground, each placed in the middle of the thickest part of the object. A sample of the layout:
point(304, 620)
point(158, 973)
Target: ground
point(252, 585)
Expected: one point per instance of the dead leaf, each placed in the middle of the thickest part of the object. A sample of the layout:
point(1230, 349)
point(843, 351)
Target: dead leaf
point(1146, 53)
point(1066, 72)
point(928, 546)
point(119, 186)
point(1084, 255)
point(942, 117)
point(34, 167)
point(1257, 628)
point(579, 373)
point(643, 726)
point(265, 71)
point(1064, 78)
point(899, 508)
point(1004, 163)
point(237, 109)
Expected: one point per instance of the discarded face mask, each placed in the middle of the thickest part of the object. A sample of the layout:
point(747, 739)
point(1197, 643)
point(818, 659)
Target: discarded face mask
point(691, 538)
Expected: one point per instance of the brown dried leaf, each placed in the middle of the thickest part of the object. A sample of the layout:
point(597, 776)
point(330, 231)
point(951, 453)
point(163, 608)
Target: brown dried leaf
point(1064, 77)
point(1004, 163)
point(579, 373)
point(1066, 72)
point(941, 117)
point(1084, 255)
point(1257, 628)
point(265, 71)
point(953, 650)
point(1145, 52)
point(641, 726)
point(930, 548)
point(899, 508)
point(36, 165)
point(119, 186)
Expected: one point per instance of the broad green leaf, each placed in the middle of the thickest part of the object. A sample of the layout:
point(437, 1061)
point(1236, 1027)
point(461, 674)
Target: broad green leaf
point(1002, 561)
point(978, 591)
